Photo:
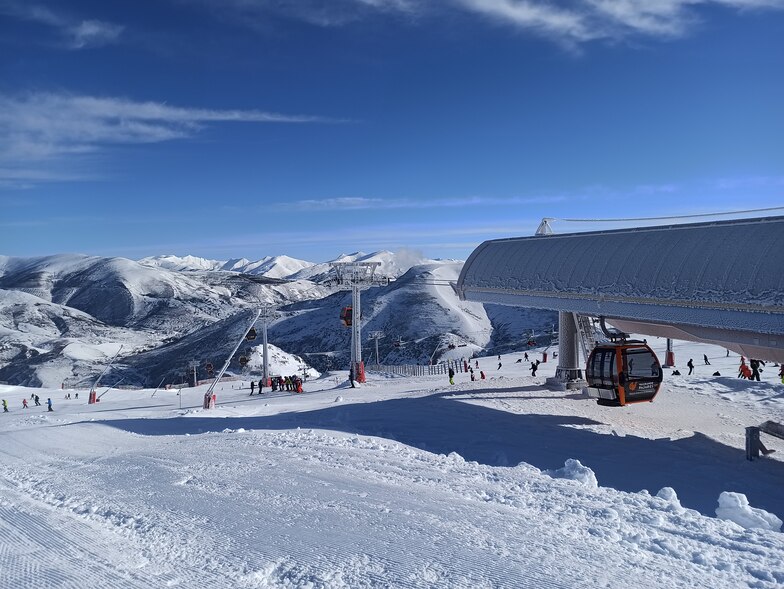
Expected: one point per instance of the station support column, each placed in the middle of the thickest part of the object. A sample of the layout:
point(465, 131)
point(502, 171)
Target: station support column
point(568, 374)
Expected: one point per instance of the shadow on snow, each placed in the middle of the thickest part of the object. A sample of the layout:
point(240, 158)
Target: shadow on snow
point(697, 467)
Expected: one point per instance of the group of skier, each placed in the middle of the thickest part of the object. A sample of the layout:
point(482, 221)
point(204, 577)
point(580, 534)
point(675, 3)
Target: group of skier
point(34, 398)
point(279, 383)
point(470, 369)
point(751, 371)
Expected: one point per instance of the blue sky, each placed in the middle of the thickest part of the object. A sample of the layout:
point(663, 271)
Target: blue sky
point(229, 128)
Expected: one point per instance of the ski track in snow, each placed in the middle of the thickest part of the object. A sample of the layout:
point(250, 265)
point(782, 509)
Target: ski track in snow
point(127, 494)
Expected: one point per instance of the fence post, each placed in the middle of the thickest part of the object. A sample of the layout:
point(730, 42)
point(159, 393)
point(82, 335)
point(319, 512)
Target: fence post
point(752, 443)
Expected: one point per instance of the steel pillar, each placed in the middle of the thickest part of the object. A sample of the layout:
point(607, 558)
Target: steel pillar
point(569, 373)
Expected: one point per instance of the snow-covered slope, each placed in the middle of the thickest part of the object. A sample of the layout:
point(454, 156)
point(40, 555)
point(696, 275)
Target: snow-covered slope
point(401, 482)
point(181, 263)
point(174, 316)
point(275, 267)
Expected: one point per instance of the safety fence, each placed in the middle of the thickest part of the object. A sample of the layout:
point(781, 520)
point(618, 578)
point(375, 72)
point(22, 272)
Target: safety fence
point(419, 370)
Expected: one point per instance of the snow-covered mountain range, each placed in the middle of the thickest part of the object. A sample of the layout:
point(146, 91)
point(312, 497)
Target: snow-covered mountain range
point(63, 316)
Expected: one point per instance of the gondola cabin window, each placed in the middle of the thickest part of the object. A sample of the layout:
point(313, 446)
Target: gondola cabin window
point(602, 368)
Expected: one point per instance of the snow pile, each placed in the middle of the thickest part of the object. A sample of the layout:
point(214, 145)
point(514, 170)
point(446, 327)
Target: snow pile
point(735, 507)
point(575, 471)
point(671, 497)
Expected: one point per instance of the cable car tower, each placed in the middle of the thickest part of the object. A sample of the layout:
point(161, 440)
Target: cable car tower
point(355, 276)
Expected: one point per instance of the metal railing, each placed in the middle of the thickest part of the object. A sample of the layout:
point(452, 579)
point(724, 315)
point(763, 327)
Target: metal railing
point(422, 370)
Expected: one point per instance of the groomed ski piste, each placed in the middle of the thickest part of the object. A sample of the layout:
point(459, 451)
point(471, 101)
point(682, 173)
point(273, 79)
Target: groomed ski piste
point(400, 482)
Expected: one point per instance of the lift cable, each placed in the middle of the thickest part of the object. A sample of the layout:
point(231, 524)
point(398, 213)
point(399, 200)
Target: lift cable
point(667, 217)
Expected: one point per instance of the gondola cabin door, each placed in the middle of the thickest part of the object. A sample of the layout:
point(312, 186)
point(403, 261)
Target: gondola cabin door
point(346, 314)
point(622, 373)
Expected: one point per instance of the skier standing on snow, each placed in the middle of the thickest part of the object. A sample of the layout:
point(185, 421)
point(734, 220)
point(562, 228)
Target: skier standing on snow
point(690, 364)
point(534, 366)
point(451, 375)
point(499, 366)
point(705, 357)
point(5, 406)
point(49, 404)
point(252, 386)
point(351, 377)
point(37, 401)
point(754, 364)
point(24, 403)
point(525, 356)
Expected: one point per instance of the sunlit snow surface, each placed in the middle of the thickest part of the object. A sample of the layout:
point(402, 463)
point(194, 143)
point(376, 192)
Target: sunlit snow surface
point(400, 482)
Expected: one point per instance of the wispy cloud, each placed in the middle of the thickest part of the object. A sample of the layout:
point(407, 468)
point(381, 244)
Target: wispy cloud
point(578, 21)
point(257, 13)
point(359, 203)
point(568, 22)
point(75, 33)
point(50, 128)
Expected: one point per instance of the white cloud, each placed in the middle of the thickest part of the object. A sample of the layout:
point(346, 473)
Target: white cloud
point(77, 34)
point(358, 203)
point(569, 22)
point(94, 32)
point(584, 20)
point(544, 17)
point(48, 128)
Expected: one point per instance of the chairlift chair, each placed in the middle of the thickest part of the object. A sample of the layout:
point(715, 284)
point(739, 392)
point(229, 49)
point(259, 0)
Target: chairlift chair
point(251, 335)
point(346, 315)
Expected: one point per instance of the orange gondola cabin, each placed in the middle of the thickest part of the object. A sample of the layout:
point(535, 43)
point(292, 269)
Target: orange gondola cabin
point(623, 372)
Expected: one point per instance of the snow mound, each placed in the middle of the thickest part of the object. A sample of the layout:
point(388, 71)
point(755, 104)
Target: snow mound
point(735, 507)
point(575, 471)
point(671, 497)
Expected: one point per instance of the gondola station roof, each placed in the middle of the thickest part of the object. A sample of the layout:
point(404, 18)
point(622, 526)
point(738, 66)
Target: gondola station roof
point(720, 277)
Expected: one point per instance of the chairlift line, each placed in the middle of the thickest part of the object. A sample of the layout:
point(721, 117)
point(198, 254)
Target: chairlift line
point(693, 216)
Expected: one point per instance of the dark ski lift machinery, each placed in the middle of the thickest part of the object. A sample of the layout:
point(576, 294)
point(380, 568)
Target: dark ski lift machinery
point(622, 371)
point(346, 314)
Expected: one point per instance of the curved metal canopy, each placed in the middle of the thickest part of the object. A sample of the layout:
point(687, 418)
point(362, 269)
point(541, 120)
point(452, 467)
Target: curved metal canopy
point(721, 282)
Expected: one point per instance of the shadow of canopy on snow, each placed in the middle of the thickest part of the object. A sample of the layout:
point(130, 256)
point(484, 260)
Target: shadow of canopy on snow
point(697, 467)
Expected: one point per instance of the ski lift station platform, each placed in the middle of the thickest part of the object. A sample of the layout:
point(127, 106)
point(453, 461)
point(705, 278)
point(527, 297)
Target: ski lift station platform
point(719, 282)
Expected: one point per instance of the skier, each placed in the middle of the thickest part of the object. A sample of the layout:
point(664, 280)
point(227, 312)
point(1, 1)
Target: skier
point(476, 363)
point(351, 377)
point(525, 356)
point(499, 366)
point(473, 378)
point(24, 403)
point(754, 364)
point(37, 401)
point(534, 366)
point(705, 357)
point(482, 374)
point(5, 406)
point(49, 404)
point(690, 364)
point(451, 375)
point(252, 386)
